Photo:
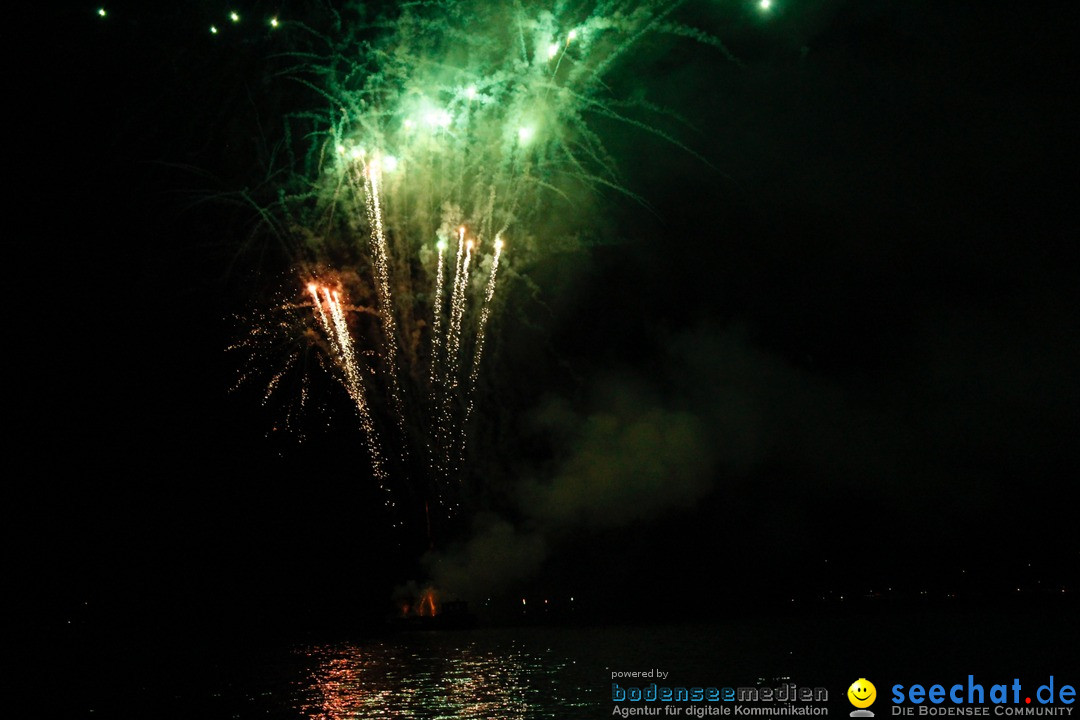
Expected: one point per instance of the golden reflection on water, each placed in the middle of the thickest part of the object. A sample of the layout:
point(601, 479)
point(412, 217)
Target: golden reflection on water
point(389, 679)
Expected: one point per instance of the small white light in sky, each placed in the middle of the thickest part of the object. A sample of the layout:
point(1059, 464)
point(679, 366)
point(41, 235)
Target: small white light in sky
point(438, 118)
point(553, 50)
point(234, 17)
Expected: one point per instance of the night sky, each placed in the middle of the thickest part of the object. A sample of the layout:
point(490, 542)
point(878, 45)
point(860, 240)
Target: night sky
point(847, 342)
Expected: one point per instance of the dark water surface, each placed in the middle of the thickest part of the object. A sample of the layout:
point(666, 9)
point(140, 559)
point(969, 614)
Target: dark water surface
point(566, 672)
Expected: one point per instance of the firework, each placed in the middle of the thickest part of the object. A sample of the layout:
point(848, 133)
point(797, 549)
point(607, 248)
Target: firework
point(447, 119)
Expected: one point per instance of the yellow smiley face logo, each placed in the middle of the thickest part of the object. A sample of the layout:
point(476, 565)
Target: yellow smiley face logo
point(862, 693)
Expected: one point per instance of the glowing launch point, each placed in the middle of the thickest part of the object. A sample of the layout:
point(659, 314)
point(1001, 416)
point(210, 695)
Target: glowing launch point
point(470, 92)
point(234, 17)
point(389, 163)
point(427, 605)
point(101, 12)
point(553, 50)
point(525, 134)
point(273, 22)
point(765, 5)
point(213, 30)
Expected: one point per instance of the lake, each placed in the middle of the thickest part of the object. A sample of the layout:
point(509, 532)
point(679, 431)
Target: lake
point(566, 673)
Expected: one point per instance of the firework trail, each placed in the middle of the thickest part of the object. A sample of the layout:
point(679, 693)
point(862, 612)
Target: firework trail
point(436, 447)
point(442, 385)
point(353, 384)
point(273, 347)
point(485, 313)
point(457, 311)
point(447, 431)
point(372, 176)
point(436, 323)
point(324, 323)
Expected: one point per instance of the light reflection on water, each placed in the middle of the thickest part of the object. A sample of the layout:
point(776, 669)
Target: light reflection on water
point(436, 677)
